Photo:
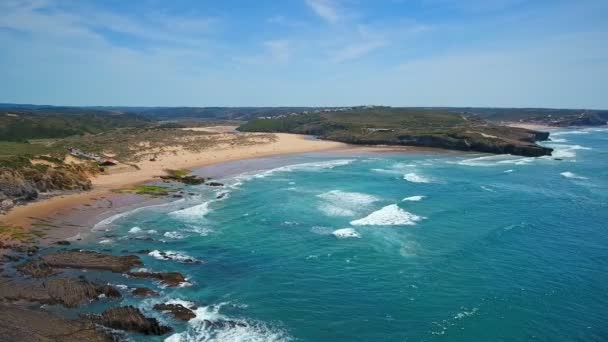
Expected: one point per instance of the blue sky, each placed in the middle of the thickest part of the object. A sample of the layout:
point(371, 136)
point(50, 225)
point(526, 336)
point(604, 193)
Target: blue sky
point(505, 53)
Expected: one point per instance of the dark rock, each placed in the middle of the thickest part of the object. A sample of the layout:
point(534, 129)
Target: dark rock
point(36, 269)
point(177, 310)
point(214, 184)
point(63, 243)
point(92, 260)
point(11, 258)
point(20, 325)
point(69, 292)
point(144, 292)
point(177, 196)
point(130, 319)
point(172, 279)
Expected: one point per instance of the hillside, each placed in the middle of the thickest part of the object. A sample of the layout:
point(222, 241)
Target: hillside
point(407, 126)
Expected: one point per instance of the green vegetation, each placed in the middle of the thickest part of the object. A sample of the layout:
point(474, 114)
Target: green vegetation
point(21, 126)
point(406, 126)
point(181, 173)
point(18, 234)
point(151, 190)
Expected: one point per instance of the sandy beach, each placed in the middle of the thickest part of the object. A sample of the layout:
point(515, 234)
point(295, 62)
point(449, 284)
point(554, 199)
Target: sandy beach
point(24, 216)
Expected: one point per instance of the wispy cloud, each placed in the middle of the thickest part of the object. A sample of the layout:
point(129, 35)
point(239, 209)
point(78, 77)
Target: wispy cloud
point(325, 9)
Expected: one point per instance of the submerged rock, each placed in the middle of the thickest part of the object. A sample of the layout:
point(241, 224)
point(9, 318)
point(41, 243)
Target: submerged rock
point(214, 184)
point(144, 292)
point(177, 310)
point(92, 260)
point(130, 319)
point(172, 279)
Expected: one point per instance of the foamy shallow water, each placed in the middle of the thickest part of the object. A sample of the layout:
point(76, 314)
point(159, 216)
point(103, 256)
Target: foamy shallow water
point(386, 247)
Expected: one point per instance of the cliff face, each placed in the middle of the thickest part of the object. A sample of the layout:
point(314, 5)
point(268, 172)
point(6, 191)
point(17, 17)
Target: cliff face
point(26, 182)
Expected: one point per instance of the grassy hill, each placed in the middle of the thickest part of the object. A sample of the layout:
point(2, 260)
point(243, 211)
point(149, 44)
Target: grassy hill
point(407, 126)
point(18, 125)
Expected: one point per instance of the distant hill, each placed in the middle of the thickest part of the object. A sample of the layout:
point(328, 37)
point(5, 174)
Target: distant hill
point(407, 126)
point(20, 125)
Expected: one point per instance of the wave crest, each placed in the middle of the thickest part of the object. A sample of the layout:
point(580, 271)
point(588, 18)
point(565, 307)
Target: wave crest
point(391, 215)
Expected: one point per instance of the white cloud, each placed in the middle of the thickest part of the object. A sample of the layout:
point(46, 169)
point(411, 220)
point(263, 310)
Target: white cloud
point(325, 9)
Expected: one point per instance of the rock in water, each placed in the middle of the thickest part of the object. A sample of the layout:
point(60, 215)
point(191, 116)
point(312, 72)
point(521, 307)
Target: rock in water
point(92, 260)
point(144, 292)
point(172, 279)
point(130, 319)
point(177, 310)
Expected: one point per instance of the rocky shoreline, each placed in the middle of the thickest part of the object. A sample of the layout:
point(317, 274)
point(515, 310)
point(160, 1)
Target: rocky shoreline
point(33, 277)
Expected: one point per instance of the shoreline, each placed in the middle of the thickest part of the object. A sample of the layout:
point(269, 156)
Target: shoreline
point(71, 214)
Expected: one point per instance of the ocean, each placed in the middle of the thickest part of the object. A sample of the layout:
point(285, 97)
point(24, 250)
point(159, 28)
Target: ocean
point(384, 247)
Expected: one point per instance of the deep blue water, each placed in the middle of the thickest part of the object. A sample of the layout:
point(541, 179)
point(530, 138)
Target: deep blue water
point(495, 248)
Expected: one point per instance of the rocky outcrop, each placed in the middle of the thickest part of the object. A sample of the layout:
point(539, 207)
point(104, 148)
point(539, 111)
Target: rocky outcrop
point(130, 319)
point(92, 260)
point(36, 269)
point(172, 279)
point(68, 292)
point(22, 325)
point(177, 310)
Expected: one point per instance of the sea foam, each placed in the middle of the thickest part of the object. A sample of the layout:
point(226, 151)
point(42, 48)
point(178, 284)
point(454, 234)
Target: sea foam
point(413, 199)
point(346, 233)
point(415, 178)
point(200, 329)
point(342, 203)
point(172, 255)
point(391, 215)
point(571, 175)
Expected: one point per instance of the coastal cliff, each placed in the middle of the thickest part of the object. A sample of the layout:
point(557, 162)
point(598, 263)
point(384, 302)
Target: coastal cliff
point(408, 127)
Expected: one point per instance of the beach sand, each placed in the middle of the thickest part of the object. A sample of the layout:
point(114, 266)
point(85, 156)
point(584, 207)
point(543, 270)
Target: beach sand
point(55, 207)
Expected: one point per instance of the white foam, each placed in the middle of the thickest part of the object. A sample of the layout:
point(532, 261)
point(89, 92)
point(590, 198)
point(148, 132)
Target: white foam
point(172, 255)
point(106, 241)
point(199, 329)
point(184, 303)
point(346, 233)
point(321, 230)
point(174, 235)
point(135, 230)
point(108, 221)
point(415, 178)
point(571, 175)
point(310, 167)
point(569, 132)
point(193, 213)
point(565, 151)
point(495, 160)
point(487, 189)
point(558, 140)
point(508, 171)
point(391, 215)
point(341, 203)
point(413, 199)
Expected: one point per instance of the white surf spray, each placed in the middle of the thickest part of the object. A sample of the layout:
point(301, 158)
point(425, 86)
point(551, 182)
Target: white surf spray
point(413, 199)
point(572, 175)
point(391, 215)
point(341, 203)
point(346, 233)
point(416, 178)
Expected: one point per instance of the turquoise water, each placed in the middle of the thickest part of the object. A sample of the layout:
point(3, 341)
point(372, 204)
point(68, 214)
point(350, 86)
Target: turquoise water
point(389, 247)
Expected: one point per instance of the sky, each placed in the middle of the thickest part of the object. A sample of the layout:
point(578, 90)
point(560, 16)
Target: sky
point(495, 53)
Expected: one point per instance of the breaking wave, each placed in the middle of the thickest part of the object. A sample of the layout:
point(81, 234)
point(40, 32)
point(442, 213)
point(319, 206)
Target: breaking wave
point(413, 199)
point(171, 255)
point(341, 203)
point(391, 215)
point(210, 325)
point(415, 178)
point(346, 233)
point(571, 175)
point(310, 167)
